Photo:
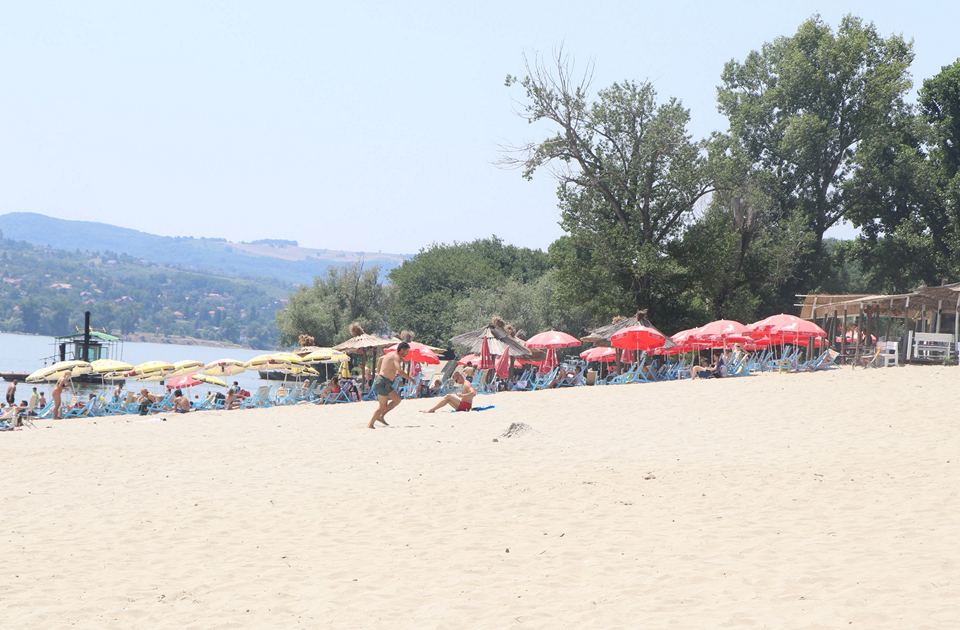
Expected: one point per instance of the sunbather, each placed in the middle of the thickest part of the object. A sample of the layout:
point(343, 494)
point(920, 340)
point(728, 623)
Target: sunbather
point(145, 399)
point(181, 404)
point(706, 370)
point(62, 383)
point(332, 388)
point(463, 402)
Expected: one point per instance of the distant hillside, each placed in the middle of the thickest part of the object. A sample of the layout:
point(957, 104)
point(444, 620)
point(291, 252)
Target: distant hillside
point(45, 291)
point(267, 258)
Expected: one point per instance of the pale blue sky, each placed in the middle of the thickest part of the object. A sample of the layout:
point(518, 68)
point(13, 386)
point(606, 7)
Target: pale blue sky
point(360, 126)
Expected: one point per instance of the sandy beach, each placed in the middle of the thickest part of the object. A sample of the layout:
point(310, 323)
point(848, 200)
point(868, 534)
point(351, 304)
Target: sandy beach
point(819, 500)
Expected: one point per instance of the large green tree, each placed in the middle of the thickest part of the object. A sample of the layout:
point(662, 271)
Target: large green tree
point(629, 175)
point(801, 107)
point(430, 286)
point(326, 309)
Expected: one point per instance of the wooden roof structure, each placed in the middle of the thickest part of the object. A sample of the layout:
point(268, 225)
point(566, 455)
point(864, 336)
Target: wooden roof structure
point(921, 302)
point(365, 342)
point(497, 338)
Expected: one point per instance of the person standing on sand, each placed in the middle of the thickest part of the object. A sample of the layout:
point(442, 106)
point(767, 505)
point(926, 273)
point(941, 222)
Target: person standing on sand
point(12, 392)
point(57, 394)
point(463, 402)
point(387, 375)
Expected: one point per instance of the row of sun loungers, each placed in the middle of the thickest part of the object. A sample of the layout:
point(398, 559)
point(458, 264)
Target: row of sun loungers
point(645, 370)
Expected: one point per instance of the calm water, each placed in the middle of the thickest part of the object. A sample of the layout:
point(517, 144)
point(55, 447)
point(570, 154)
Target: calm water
point(26, 353)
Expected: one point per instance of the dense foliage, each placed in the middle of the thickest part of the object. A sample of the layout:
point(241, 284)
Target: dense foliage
point(46, 291)
point(326, 309)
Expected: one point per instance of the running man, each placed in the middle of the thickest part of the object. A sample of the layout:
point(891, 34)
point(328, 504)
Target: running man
point(383, 383)
point(463, 402)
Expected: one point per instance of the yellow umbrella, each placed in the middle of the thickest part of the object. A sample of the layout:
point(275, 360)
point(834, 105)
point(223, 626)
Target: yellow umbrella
point(325, 355)
point(107, 366)
point(210, 380)
point(55, 371)
point(280, 358)
point(182, 368)
point(152, 368)
point(224, 367)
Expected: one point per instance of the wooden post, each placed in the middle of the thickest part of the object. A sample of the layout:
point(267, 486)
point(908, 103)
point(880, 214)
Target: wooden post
point(956, 321)
point(939, 315)
point(843, 336)
point(923, 317)
point(886, 335)
point(856, 354)
point(907, 329)
point(956, 327)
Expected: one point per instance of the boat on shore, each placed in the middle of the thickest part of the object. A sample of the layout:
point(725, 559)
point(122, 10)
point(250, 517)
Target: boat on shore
point(86, 345)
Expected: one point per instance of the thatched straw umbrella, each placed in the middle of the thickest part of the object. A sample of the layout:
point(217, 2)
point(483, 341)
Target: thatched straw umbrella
point(498, 336)
point(360, 343)
point(601, 336)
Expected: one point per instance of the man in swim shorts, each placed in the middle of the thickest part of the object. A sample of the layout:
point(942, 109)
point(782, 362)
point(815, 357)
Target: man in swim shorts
point(463, 402)
point(390, 371)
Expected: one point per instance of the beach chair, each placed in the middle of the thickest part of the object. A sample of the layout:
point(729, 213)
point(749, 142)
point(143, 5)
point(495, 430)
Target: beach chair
point(259, 400)
point(12, 417)
point(545, 380)
point(76, 412)
point(890, 353)
point(46, 412)
point(575, 376)
point(633, 374)
point(410, 389)
point(342, 396)
point(522, 383)
point(164, 404)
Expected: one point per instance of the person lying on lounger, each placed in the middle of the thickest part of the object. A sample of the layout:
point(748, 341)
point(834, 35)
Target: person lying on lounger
point(463, 402)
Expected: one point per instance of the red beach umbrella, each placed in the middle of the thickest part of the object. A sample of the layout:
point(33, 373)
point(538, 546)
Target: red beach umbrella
point(550, 361)
point(472, 359)
point(486, 360)
point(182, 382)
point(719, 330)
point(553, 339)
point(599, 354)
point(419, 353)
point(637, 338)
point(502, 367)
point(684, 337)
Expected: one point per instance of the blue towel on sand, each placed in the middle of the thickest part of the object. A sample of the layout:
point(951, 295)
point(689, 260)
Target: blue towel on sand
point(483, 408)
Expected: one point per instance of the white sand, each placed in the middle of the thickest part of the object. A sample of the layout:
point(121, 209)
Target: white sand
point(816, 500)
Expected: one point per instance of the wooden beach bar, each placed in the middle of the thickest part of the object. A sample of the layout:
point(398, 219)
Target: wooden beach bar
point(923, 323)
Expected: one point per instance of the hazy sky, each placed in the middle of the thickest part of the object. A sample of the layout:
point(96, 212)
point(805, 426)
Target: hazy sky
point(360, 126)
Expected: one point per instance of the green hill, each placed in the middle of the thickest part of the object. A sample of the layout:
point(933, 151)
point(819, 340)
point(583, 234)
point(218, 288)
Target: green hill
point(45, 290)
point(267, 258)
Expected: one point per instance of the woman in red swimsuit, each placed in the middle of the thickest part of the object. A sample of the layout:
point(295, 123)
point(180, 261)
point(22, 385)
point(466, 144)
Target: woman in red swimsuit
point(463, 402)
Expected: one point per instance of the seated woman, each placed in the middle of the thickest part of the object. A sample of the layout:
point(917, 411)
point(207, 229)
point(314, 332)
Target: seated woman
point(463, 402)
point(332, 388)
point(145, 399)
